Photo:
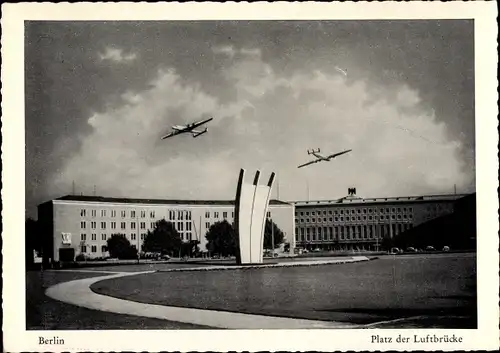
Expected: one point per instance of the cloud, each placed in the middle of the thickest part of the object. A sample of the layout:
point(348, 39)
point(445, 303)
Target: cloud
point(399, 148)
point(117, 55)
point(224, 50)
point(231, 51)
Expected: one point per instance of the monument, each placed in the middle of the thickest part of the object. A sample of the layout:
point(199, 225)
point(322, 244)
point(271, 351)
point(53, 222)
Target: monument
point(251, 204)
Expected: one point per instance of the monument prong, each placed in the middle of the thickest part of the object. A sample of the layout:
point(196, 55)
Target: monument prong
point(271, 179)
point(251, 204)
point(256, 178)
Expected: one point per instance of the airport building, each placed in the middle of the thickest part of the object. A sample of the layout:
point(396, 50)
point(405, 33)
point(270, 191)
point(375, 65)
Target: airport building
point(354, 223)
point(77, 225)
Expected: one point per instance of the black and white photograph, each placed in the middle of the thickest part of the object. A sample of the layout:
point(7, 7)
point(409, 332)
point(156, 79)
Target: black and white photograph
point(278, 174)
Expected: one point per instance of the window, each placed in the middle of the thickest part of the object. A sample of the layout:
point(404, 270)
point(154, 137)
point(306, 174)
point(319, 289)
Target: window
point(132, 225)
point(132, 214)
point(113, 213)
point(399, 216)
point(216, 214)
point(330, 212)
point(207, 225)
point(103, 225)
point(143, 236)
point(83, 237)
point(393, 217)
point(324, 219)
point(336, 219)
point(324, 213)
point(207, 214)
point(341, 211)
point(370, 218)
point(113, 225)
point(180, 226)
point(342, 219)
point(94, 236)
point(307, 213)
point(301, 213)
point(152, 214)
point(93, 225)
point(313, 213)
point(143, 214)
point(393, 209)
point(123, 226)
point(132, 236)
point(232, 214)
point(224, 215)
point(188, 226)
point(180, 215)
point(83, 249)
point(83, 224)
point(268, 214)
point(103, 236)
point(347, 219)
point(381, 218)
point(171, 215)
point(143, 225)
point(399, 209)
point(104, 248)
point(94, 248)
point(313, 220)
point(188, 215)
point(103, 213)
point(94, 213)
point(152, 225)
point(83, 213)
point(123, 214)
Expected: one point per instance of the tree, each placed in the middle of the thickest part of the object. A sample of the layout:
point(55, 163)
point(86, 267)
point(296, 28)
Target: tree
point(33, 239)
point(163, 239)
point(279, 237)
point(221, 239)
point(190, 248)
point(119, 247)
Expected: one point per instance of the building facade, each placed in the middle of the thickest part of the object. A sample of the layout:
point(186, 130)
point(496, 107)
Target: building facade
point(353, 223)
point(83, 224)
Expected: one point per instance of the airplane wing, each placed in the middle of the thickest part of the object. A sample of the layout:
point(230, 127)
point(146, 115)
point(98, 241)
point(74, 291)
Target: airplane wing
point(308, 163)
point(198, 123)
point(173, 133)
point(338, 154)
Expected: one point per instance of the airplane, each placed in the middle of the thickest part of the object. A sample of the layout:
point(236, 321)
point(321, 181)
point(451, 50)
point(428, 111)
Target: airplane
point(180, 129)
point(320, 158)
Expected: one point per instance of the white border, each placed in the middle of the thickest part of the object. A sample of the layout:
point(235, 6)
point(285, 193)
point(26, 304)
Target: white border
point(18, 339)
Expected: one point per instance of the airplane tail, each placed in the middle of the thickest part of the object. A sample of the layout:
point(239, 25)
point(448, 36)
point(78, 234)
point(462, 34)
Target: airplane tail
point(200, 133)
point(313, 151)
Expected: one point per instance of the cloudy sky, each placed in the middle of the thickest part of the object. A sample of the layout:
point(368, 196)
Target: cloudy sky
point(99, 95)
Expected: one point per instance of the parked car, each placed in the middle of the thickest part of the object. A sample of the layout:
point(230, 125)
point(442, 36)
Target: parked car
point(430, 248)
point(411, 249)
point(395, 251)
point(446, 248)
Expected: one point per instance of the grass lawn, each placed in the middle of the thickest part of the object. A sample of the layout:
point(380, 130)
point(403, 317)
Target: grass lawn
point(44, 313)
point(441, 287)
